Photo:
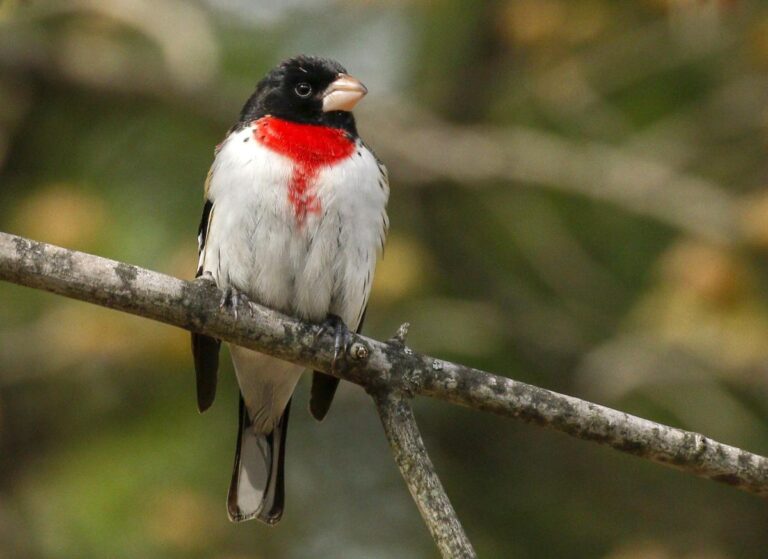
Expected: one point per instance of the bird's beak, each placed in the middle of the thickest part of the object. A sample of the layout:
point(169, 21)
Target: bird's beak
point(343, 94)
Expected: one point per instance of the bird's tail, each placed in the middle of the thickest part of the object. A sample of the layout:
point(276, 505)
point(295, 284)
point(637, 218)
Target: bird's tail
point(257, 489)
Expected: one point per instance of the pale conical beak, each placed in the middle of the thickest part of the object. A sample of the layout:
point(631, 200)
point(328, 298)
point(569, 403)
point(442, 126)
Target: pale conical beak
point(343, 94)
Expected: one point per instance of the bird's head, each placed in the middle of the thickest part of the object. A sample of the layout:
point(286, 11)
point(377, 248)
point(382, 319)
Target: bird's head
point(308, 90)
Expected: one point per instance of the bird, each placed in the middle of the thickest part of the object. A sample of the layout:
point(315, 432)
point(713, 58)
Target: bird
point(294, 218)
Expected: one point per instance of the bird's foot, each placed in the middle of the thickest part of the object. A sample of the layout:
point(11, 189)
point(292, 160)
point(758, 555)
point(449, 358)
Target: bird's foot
point(232, 297)
point(342, 338)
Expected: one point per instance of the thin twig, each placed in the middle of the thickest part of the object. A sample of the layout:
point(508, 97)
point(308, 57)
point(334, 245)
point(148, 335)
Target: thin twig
point(420, 476)
point(372, 364)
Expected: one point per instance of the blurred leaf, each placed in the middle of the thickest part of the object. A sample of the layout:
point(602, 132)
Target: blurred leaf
point(62, 214)
point(405, 269)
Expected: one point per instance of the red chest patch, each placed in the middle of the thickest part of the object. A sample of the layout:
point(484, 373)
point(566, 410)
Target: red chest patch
point(310, 148)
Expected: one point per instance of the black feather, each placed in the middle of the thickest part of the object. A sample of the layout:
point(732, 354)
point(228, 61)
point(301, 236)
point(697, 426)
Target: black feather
point(275, 96)
point(205, 349)
point(324, 387)
point(266, 477)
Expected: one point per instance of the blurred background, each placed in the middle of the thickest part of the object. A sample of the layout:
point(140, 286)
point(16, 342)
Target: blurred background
point(578, 201)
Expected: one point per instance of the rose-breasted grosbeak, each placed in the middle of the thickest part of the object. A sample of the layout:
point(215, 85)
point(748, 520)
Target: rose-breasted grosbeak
point(295, 219)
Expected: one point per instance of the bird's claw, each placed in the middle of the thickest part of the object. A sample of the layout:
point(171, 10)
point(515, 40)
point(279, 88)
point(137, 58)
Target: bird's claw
point(232, 297)
point(342, 338)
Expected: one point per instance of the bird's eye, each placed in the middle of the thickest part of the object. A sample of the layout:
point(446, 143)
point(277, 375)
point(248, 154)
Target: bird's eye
point(303, 89)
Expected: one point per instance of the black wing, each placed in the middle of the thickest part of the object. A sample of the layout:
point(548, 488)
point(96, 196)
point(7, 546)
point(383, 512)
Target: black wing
point(205, 349)
point(324, 387)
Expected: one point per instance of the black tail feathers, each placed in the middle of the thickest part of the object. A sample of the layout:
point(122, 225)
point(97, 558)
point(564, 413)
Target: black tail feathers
point(257, 489)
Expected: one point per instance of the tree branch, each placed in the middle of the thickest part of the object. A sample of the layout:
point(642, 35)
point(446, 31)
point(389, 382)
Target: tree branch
point(377, 366)
point(420, 476)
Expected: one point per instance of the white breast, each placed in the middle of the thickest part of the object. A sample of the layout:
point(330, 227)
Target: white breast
point(256, 244)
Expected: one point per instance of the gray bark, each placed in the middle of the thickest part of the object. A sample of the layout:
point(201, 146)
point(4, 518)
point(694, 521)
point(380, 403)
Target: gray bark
point(420, 476)
point(380, 367)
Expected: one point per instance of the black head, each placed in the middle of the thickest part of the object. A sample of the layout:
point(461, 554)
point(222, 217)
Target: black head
point(309, 90)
